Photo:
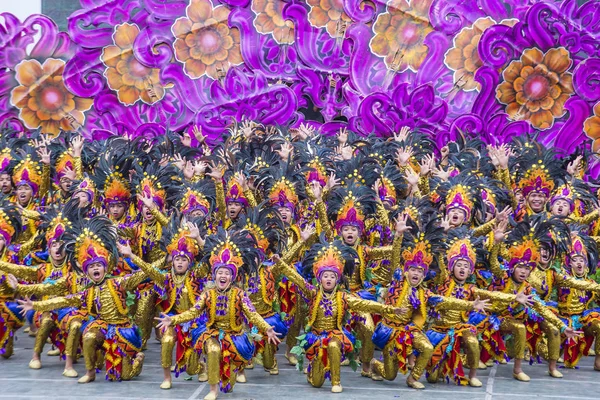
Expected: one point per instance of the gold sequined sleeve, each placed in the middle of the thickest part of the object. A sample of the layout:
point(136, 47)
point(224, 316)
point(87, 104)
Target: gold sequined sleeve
point(484, 229)
point(56, 303)
point(379, 253)
point(45, 183)
point(153, 273)
point(495, 264)
point(58, 288)
point(252, 316)
point(30, 214)
point(565, 280)
point(325, 225)
point(293, 251)
point(19, 271)
point(160, 217)
point(27, 247)
point(424, 185)
point(495, 297)
point(548, 315)
point(282, 268)
point(132, 281)
point(383, 218)
point(504, 177)
point(442, 303)
point(78, 168)
point(359, 305)
point(587, 218)
point(220, 199)
point(251, 198)
point(384, 272)
point(443, 275)
point(193, 312)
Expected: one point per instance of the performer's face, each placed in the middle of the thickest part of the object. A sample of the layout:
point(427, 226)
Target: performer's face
point(456, 217)
point(116, 210)
point(545, 255)
point(223, 278)
point(197, 213)
point(24, 194)
point(328, 280)
point(5, 183)
point(415, 275)
point(181, 264)
point(83, 199)
point(57, 251)
point(519, 196)
point(233, 209)
point(461, 271)
point(2, 243)
point(147, 214)
point(521, 273)
point(65, 184)
point(561, 208)
point(578, 265)
point(350, 235)
point(96, 272)
point(286, 214)
point(536, 201)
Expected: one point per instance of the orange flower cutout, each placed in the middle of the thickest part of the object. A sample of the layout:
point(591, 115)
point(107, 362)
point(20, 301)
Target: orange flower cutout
point(205, 43)
point(131, 79)
point(536, 87)
point(591, 127)
point(43, 99)
point(399, 35)
point(329, 14)
point(269, 19)
point(463, 57)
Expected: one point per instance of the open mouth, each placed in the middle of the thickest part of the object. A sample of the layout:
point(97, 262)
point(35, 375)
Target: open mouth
point(96, 275)
point(223, 281)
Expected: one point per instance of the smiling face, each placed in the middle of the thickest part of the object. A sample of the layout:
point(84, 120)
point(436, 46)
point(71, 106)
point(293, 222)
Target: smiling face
point(5, 183)
point(328, 280)
point(578, 266)
point(521, 273)
point(536, 201)
point(286, 214)
point(461, 271)
point(57, 252)
point(96, 272)
point(456, 216)
point(545, 256)
point(561, 208)
point(24, 194)
point(233, 209)
point(350, 235)
point(223, 278)
point(181, 264)
point(415, 275)
point(116, 210)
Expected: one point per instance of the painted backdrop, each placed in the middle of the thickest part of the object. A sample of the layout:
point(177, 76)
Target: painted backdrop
point(489, 68)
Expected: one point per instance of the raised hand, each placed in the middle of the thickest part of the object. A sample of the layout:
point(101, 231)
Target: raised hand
point(441, 174)
point(570, 333)
point(445, 223)
point(285, 151)
point(197, 131)
point(69, 173)
point(186, 140)
point(402, 135)
point(25, 305)
point(216, 171)
point(146, 200)
point(77, 146)
point(500, 231)
point(272, 336)
point(401, 225)
point(427, 165)
point(179, 162)
point(12, 281)
point(188, 170)
point(524, 299)
point(317, 190)
point(342, 136)
point(44, 154)
point(575, 166)
point(403, 155)
point(164, 321)
point(332, 182)
point(307, 232)
point(481, 305)
point(504, 214)
point(200, 167)
point(125, 250)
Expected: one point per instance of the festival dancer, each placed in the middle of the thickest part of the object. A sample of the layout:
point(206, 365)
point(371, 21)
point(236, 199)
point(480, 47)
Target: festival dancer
point(224, 343)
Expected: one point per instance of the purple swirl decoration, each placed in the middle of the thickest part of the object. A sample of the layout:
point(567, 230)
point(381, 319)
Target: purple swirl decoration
point(441, 66)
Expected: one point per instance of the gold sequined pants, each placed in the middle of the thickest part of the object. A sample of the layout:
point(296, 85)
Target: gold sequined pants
point(471, 348)
point(92, 341)
point(212, 350)
point(388, 369)
point(8, 348)
point(167, 344)
point(269, 361)
point(549, 346)
point(316, 375)
point(144, 314)
point(73, 338)
point(365, 334)
point(594, 330)
point(519, 336)
point(47, 324)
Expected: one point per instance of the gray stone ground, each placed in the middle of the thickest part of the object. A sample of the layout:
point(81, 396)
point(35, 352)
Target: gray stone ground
point(19, 382)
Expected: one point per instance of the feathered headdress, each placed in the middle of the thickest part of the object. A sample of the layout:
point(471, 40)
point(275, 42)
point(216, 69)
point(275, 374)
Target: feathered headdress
point(461, 192)
point(156, 182)
point(236, 251)
point(284, 185)
point(87, 186)
point(90, 241)
point(182, 245)
point(316, 160)
point(234, 192)
point(28, 172)
point(10, 222)
point(191, 197)
point(541, 170)
point(265, 225)
point(7, 161)
point(334, 257)
point(462, 246)
point(420, 248)
point(350, 204)
point(583, 246)
point(392, 184)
